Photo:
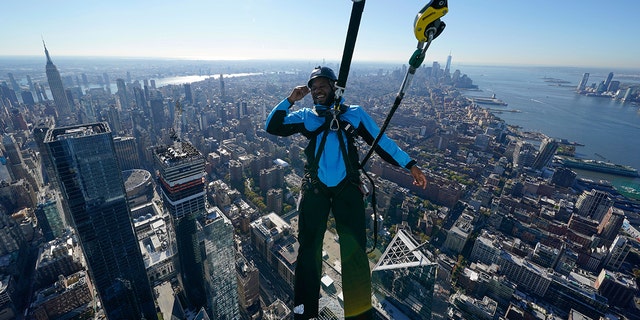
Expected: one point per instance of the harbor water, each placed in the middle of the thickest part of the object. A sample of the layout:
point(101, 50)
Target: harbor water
point(544, 99)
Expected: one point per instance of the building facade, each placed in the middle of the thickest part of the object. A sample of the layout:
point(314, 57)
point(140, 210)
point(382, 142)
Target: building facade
point(63, 106)
point(181, 170)
point(220, 266)
point(93, 194)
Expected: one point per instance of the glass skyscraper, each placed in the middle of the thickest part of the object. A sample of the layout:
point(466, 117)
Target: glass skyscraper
point(220, 266)
point(93, 194)
point(405, 277)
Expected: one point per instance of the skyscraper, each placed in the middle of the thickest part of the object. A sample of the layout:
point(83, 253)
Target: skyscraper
point(181, 177)
point(222, 93)
point(583, 82)
point(57, 90)
point(608, 81)
point(127, 153)
point(49, 217)
point(93, 194)
point(14, 157)
point(618, 251)
point(611, 223)
point(220, 266)
point(447, 68)
point(594, 204)
point(14, 84)
point(158, 117)
point(39, 133)
point(545, 153)
point(404, 274)
point(188, 94)
point(123, 96)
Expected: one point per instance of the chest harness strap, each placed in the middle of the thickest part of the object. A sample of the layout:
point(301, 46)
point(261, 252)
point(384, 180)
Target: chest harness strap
point(350, 157)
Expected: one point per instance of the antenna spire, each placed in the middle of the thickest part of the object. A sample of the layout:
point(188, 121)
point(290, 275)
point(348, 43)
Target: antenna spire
point(46, 52)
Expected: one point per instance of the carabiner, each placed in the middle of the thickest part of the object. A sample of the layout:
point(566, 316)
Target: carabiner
point(334, 125)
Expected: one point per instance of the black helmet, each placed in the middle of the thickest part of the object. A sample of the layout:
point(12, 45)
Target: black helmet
point(321, 72)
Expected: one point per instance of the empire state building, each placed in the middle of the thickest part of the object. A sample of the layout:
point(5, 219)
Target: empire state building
point(57, 90)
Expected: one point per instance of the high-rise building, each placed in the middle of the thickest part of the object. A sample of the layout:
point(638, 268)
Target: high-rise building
point(220, 266)
point(583, 82)
point(14, 157)
point(60, 257)
point(523, 154)
point(181, 177)
point(27, 98)
point(274, 200)
point(447, 68)
point(188, 94)
point(627, 95)
point(405, 276)
point(113, 117)
point(14, 84)
point(527, 275)
point(7, 95)
point(49, 216)
point(222, 92)
point(69, 297)
point(158, 118)
point(618, 252)
point(271, 178)
point(39, 133)
point(127, 153)
point(594, 204)
point(123, 96)
point(93, 194)
point(458, 235)
point(547, 149)
point(608, 81)
point(32, 88)
point(248, 286)
point(611, 223)
point(486, 249)
point(617, 287)
point(63, 106)
point(563, 177)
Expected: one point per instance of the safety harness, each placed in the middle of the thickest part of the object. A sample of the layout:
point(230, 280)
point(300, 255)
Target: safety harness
point(349, 151)
point(427, 26)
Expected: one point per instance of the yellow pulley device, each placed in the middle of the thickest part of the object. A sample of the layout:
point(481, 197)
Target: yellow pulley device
point(428, 17)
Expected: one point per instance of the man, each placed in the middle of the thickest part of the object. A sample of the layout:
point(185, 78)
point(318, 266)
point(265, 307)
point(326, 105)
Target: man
point(332, 183)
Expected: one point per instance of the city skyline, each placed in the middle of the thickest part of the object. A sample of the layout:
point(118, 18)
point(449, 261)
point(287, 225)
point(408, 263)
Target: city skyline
point(570, 33)
point(486, 177)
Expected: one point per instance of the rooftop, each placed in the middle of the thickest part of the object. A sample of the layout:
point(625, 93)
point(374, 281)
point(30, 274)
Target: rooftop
point(77, 131)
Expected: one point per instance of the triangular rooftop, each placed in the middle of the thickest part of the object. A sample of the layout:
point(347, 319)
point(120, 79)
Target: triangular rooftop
point(402, 252)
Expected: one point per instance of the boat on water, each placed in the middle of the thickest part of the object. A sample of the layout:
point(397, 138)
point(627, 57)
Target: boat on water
point(571, 143)
point(489, 100)
point(599, 166)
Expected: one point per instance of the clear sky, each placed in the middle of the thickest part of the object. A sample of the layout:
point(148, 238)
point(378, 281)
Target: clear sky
point(565, 33)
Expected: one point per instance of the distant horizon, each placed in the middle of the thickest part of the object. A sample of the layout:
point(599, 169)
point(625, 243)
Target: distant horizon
point(427, 62)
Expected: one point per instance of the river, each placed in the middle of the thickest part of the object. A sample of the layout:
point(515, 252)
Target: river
point(608, 129)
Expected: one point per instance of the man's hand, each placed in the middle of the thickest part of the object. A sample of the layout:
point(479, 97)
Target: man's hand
point(298, 93)
point(419, 179)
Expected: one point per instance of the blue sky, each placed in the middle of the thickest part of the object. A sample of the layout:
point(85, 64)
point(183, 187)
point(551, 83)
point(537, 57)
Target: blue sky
point(565, 33)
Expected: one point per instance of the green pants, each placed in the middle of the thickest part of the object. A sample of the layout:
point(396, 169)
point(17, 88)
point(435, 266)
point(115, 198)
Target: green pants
point(346, 203)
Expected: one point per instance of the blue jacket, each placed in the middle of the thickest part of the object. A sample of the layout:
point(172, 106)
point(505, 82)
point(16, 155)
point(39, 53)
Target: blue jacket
point(331, 166)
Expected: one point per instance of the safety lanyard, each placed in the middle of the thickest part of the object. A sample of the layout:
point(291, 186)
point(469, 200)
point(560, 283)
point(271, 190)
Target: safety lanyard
point(427, 26)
